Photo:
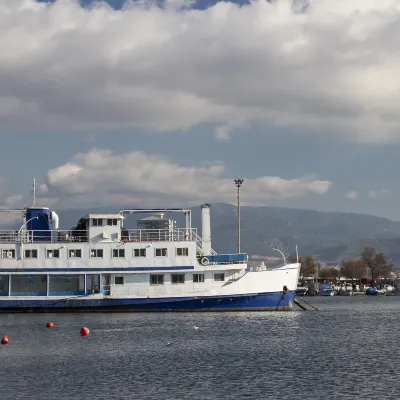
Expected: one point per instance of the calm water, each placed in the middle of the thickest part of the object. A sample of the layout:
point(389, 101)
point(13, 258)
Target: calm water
point(349, 349)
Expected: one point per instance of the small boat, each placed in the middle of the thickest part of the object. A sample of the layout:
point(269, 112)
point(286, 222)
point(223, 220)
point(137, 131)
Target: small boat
point(371, 292)
point(388, 289)
point(326, 290)
point(346, 290)
point(396, 291)
point(301, 290)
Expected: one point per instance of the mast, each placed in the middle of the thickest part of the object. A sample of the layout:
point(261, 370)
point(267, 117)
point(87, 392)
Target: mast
point(34, 192)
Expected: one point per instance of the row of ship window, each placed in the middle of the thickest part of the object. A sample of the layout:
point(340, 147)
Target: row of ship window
point(105, 222)
point(96, 253)
point(176, 279)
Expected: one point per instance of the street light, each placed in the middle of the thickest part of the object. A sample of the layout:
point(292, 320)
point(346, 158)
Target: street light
point(238, 183)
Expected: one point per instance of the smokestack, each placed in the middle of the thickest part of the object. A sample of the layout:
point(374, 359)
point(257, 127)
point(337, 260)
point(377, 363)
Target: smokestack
point(206, 229)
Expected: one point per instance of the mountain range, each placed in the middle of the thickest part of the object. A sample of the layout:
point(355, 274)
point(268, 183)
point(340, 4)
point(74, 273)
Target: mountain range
point(329, 236)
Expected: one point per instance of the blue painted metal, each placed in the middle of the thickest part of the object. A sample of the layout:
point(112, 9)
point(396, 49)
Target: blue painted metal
point(226, 258)
point(254, 301)
point(371, 292)
point(39, 223)
point(66, 293)
point(28, 293)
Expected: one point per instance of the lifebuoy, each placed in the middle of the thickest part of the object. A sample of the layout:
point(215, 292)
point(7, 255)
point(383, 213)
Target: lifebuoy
point(204, 261)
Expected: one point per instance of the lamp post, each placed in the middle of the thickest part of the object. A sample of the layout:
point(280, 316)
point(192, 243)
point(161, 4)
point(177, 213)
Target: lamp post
point(238, 183)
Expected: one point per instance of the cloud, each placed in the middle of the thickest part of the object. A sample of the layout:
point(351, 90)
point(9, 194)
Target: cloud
point(321, 66)
point(9, 202)
point(373, 194)
point(100, 178)
point(352, 195)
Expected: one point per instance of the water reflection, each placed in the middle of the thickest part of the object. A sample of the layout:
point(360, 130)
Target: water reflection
point(346, 350)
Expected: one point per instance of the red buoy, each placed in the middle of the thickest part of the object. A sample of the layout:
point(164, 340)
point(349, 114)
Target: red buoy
point(84, 331)
point(4, 340)
point(50, 324)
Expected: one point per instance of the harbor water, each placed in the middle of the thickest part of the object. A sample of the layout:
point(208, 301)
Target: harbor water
point(348, 349)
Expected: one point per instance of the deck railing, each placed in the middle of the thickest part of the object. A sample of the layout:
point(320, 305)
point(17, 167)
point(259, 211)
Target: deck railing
point(159, 235)
point(69, 236)
point(49, 236)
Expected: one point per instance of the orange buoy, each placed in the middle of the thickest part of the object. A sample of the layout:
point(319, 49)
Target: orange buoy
point(4, 340)
point(50, 324)
point(84, 331)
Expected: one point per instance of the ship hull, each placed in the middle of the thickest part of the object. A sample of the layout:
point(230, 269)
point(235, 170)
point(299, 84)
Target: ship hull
point(275, 301)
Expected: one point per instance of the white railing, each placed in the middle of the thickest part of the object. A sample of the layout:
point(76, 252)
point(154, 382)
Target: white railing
point(127, 235)
point(159, 235)
point(50, 236)
point(199, 243)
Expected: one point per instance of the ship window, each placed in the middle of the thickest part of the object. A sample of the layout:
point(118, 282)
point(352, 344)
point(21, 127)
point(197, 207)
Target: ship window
point(8, 253)
point(30, 253)
point(156, 279)
point(198, 278)
point(53, 253)
point(139, 252)
point(97, 222)
point(182, 251)
point(119, 280)
point(219, 277)
point(75, 253)
point(177, 278)
point(161, 252)
point(112, 221)
point(96, 253)
point(118, 253)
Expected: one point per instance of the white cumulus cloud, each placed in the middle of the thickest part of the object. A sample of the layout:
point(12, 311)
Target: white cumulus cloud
point(352, 195)
point(330, 67)
point(100, 178)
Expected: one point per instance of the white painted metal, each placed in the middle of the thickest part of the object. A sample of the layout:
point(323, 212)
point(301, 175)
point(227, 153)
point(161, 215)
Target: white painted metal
point(206, 229)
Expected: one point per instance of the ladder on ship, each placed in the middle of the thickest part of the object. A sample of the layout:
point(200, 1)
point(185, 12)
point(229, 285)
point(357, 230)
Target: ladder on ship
point(199, 243)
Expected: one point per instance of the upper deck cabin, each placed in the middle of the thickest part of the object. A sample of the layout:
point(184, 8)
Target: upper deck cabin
point(42, 227)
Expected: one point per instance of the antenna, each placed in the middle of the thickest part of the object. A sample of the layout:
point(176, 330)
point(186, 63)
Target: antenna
point(297, 254)
point(34, 192)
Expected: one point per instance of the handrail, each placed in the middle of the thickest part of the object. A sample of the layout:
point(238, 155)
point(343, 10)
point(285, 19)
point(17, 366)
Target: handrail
point(159, 235)
point(199, 242)
point(127, 235)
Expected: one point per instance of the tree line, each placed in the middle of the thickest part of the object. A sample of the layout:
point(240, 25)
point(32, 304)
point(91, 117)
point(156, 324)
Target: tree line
point(370, 260)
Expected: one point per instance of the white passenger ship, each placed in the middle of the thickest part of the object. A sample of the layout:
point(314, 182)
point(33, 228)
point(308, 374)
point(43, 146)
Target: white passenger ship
point(100, 266)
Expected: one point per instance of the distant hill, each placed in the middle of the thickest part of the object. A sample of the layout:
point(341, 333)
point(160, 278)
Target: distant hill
point(330, 236)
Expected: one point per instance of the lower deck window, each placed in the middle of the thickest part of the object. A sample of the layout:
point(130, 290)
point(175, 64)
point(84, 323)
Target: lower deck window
point(156, 279)
point(161, 252)
point(182, 251)
point(96, 253)
point(219, 277)
point(31, 253)
point(118, 253)
point(53, 253)
point(198, 278)
point(177, 278)
point(8, 253)
point(119, 280)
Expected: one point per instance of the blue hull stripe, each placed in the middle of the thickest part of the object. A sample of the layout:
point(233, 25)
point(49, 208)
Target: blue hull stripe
point(243, 302)
point(94, 270)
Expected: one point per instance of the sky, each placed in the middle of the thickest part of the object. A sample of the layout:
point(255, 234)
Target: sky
point(164, 104)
